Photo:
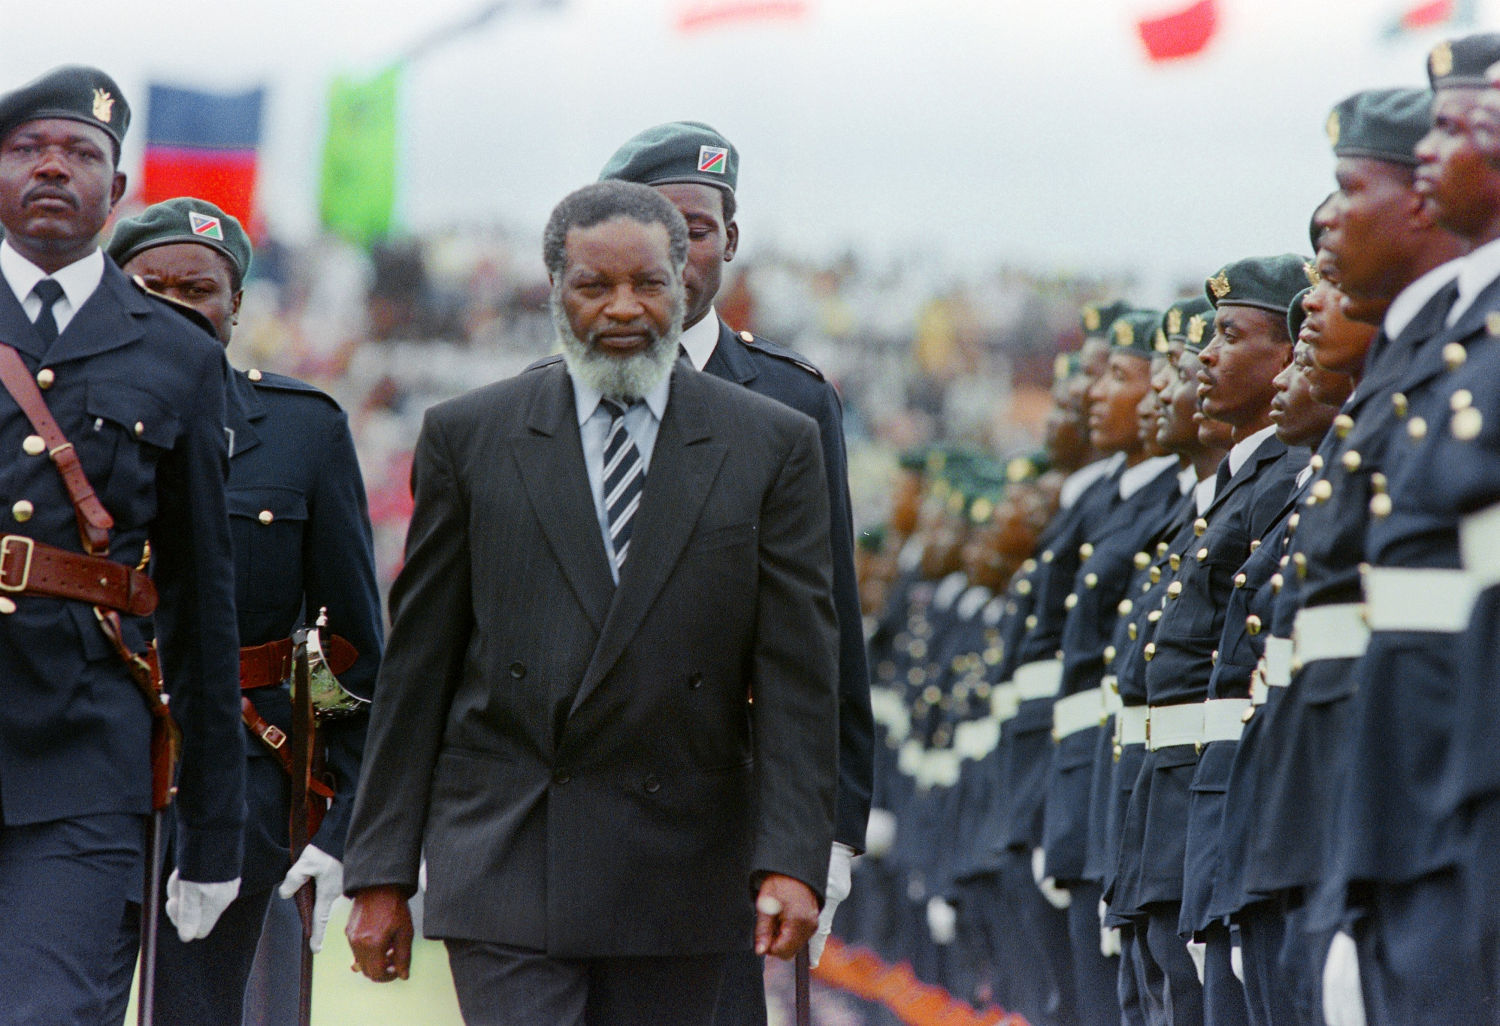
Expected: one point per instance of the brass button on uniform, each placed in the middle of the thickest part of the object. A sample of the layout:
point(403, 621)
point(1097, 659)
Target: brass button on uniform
point(517, 670)
point(33, 445)
point(1200, 527)
point(1399, 403)
point(1091, 580)
point(1380, 505)
point(253, 374)
point(1070, 601)
point(1201, 554)
point(1460, 400)
point(6, 605)
point(1322, 491)
point(695, 680)
point(1156, 574)
point(1454, 355)
point(1109, 653)
point(1153, 616)
point(1252, 624)
point(1276, 582)
point(1023, 587)
point(266, 516)
point(1150, 651)
point(1417, 428)
point(1174, 589)
point(140, 429)
point(1142, 560)
point(1351, 461)
point(1254, 544)
point(1467, 423)
point(1031, 622)
point(1085, 550)
point(1125, 607)
point(1316, 462)
point(22, 511)
point(1131, 630)
point(1175, 562)
point(1342, 425)
point(45, 377)
point(1239, 580)
point(1047, 556)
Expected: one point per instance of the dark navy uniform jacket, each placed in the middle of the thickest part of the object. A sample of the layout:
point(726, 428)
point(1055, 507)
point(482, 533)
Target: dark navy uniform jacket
point(139, 391)
point(1301, 780)
point(1186, 639)
point(301, 542)
point(1100, 583)
point(1394, 825)
point(781, 374)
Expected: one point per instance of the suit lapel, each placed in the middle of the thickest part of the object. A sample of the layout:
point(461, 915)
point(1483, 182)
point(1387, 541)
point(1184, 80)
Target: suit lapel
point(16, 330)
point(684, 463)
point(550, 461)
point(242, 408)
point(1272, 448)
point(114, 316)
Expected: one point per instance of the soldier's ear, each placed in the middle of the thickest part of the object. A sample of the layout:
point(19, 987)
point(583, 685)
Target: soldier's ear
point(116, 189)
point(731, 240)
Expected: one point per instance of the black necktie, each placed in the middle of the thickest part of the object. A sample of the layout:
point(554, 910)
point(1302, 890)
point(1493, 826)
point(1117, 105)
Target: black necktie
point(624, 476)
point(1221, 479)
point(49, 292)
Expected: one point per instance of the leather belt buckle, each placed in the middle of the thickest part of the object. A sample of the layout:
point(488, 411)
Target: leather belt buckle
point(9, 543)
point(274, 736)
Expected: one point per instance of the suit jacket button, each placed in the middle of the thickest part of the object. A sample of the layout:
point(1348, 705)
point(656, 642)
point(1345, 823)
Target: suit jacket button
point(652, 785)
point(695, 680)
point(561, 777)
point(518, 670)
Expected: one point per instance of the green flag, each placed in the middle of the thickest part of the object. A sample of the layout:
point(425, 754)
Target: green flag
point(357, 189)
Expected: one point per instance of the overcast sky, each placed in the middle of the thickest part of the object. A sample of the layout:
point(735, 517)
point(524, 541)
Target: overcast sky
point(968, 131)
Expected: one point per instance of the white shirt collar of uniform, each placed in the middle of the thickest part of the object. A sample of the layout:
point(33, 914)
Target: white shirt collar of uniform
point(78, 280)
point(586, 398)
point(1475, 272)
point(1303, 474)
point(1243, 450)
point(1187, 479)
point(1410, 300)
point(1078, 482)
point(1203, 493)
point(701, 338)
point(1143, 473)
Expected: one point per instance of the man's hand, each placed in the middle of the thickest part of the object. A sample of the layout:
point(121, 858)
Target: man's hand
point(380, 932)
point(786, 916)
point(327, 876)
point(194, 908)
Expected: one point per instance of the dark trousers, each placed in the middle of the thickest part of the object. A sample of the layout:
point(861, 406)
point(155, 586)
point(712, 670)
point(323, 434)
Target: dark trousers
point(67, 902)
point(742, 991)
point(1043, 974)
point(1132, 997)
point(203, 981)
point(499, 985)
point(1416, 964)
point(1223, 995)
point(271, 996)
point(1275, 988)
point(1095, 978)
point(1175, 995)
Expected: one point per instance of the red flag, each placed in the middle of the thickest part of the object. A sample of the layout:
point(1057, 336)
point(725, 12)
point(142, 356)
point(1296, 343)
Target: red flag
point(1181, 34)
point(715, 13)
point(1427, 15)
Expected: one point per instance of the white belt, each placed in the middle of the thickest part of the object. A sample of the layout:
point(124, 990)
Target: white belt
point(1224, 718)
point(975, 739)
point(1073, 713)
point(1003, 702)
point(1041, 679)
point(1409, 599)
point(1479, 543)
point(1274, 670)
point(1330, 632)
point(1168, 725)
point(938, 768)
point(1130, 725)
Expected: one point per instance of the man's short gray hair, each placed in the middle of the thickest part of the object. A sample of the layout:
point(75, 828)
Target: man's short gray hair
point(604, 201)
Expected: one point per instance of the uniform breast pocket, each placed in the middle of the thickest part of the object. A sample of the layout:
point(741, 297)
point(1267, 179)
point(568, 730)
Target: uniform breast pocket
point(267, 525)
point(129, 429)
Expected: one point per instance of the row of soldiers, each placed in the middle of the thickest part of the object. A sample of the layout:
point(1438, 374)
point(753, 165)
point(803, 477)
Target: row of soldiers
point(1192, 721)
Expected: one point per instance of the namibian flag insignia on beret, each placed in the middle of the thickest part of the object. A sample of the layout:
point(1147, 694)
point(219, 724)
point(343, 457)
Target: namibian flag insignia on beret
point(206, 226)
point(713, 159)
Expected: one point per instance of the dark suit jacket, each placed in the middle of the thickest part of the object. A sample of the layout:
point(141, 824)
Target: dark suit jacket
point(777, 372)
point(580, 761)
point(139, 391)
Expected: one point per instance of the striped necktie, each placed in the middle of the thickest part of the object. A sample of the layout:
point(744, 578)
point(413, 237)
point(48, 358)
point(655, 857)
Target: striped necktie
point(624, 477)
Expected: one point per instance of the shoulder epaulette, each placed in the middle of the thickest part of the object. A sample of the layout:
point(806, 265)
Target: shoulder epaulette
point(282, 383)
point(779, 352)
point(179, 307)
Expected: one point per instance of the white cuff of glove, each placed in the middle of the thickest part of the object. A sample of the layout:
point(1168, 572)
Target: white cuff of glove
point(327, 876)
point(1058, 897)
point(194, 908)
point(942, 921)
point(1198, 952)
point(839, 873)
point(1343, 1000)
point(1237, 963)
point(880, 832)
point(1109, 936)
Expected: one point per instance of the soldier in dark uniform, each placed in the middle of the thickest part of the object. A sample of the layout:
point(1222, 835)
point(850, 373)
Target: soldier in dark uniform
point(1397, 846)
point(697, 169)
point(302, 544)
point(137, 389)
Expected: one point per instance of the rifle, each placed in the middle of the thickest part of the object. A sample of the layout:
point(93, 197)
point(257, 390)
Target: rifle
point(303, 755)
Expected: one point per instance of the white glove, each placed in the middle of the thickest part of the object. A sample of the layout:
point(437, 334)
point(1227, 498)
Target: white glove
point(839, 860)
point(1198, 952)
point(880, 832)
point(194, 908)
point(942, 921)
point(1237, 963)
point(327, 875)
point(1057, 897)
point(1109, 936)
point(1343, 1000)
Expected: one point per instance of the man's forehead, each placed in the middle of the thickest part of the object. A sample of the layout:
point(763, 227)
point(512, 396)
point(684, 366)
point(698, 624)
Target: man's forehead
point(66, 128)
point(615, 240)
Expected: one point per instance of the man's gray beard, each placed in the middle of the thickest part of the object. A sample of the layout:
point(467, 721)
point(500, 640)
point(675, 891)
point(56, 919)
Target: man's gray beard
point(626, 378)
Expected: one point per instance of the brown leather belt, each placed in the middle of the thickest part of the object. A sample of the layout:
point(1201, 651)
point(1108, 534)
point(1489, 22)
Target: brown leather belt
point(266, 666)
point(30, 567)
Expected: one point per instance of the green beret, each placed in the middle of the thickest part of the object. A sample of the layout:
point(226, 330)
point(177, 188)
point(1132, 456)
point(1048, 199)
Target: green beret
point(679, 151)
point(1382, 124)
point(73, 91)
point(1176, 319)
point(1295, 315)
point(1134, 332)
point(1096, 318)
point(1268, 283)
point(1461, 63)
point(184, 219)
